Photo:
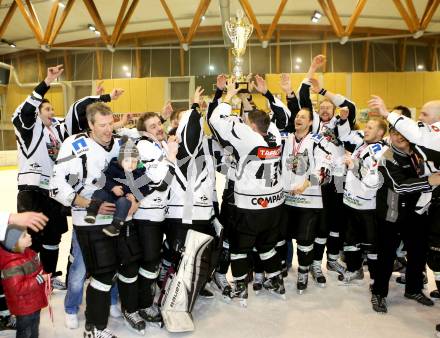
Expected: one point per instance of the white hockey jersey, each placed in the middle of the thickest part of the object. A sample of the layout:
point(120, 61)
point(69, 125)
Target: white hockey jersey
point(37, 144)
point(79, 170)
point(362, 181)
point(192, 190)
point(308, 159)
point(257, 177)
point(153, 155)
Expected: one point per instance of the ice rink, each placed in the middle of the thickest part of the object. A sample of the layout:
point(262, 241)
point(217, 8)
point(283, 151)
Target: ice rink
point(334, 311)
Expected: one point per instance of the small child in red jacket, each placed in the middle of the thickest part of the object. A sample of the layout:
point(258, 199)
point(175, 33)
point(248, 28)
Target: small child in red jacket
point(23, 281)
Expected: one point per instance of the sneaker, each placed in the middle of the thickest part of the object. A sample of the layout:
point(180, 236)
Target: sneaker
point(349, 276)
point(71, 321)
point(8, 323)
point(379, 303)
point(317, 274)
point(115, 312)
point(205, 293)
point(302, 281)
point(111, 230)
point(435, 294)
point(335, 266)
point(258, 282)
point(92, 211)
point(240, 292)
point(222, 283)
point(275, 285)
point(437, 330)
point(151, 314)
point(134, 322)
point(92, 332)
point(57, 284)
point(420, 298)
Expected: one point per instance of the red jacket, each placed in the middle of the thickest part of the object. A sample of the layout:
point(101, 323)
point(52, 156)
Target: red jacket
point(19, 271)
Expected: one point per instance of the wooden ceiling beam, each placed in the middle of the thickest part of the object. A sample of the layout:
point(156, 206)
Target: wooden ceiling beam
point(34, 16)
point(275, 20)
point(330, 18)
point(413, 13)
point(61, 21)
point(429, 13)
point(173, 22)
point(336, 17)
point(405, 16)
point(7, 18)
point(119, 20)
point(252, 18)
point(127, 18)
point(29, 20)
point(93, 11)
point(201, 10)
point(51, 21)
point(354, 17)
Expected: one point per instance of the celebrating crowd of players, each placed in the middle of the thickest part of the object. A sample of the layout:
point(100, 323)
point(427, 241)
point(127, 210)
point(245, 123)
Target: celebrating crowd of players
point(137, 196)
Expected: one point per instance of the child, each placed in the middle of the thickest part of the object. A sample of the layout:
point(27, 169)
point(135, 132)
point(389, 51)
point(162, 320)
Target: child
point(121, 179)
point(23, 281)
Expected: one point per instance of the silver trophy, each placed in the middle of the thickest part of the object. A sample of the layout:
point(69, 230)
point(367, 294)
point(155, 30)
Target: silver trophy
point(239, 30)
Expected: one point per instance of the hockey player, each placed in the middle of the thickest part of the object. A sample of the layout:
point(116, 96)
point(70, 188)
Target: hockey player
point(325, 123)
point(39, 135)
point(258, 192)
point(425, 134)
point(78, 170)
point(159, 158)
point(362, 183)
point(306, 166)
point(406, 175)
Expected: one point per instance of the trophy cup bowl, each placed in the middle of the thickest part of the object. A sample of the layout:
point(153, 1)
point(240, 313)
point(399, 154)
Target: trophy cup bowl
point(239, 31)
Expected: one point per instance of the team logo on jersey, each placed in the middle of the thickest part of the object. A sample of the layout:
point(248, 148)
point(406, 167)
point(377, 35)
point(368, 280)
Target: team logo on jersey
point(265, 153)
point(317, 137)
point(265, 201)
point(80, 146)
point(35, 166)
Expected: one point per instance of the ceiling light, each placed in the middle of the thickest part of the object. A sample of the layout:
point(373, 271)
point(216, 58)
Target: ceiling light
point(91, 27)
point(12, 44)
point(61, 4)
point(8, 42)
point(98, 33)
point(420, 67)
point(316, 16)
point(203, 18)
point(314, 19)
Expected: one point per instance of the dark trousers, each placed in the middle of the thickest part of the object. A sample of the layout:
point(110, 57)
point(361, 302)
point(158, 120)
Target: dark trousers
point(28, 325)
point(122, 204)
point(413, 231)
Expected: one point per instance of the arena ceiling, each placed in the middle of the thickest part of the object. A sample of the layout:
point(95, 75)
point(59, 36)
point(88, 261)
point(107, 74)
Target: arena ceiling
point(49, 24)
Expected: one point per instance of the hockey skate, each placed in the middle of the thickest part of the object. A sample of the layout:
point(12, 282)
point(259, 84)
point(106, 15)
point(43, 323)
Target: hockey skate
point(92, 332)
point(275, 285)
point(317, 274)
point(350, 278)
point(335, 266)
point(134, 322)
point(302, 281)
point(258, 282)
point(223, 286)
point(152, 316)
point(240, 293)
point(379, 303)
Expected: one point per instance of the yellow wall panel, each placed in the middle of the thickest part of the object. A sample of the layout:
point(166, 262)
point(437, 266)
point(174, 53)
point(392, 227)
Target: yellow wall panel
point(395, 89)
point(122, 104)
point(360, 89)
point(138, 97)
point(431, 86)
point(55, 96)
point(155, 93)
point(335, 82)
point(413, 92)
point(379, 85)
